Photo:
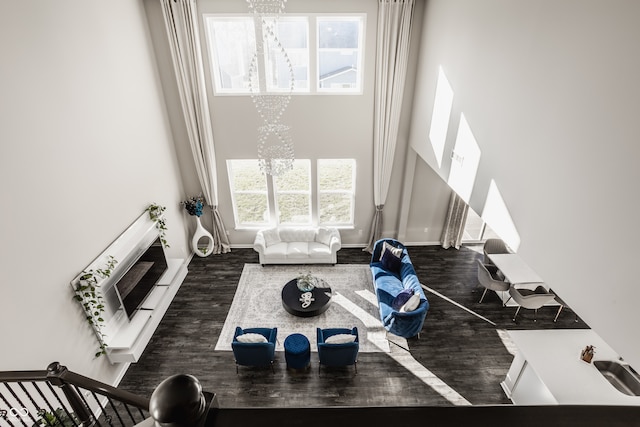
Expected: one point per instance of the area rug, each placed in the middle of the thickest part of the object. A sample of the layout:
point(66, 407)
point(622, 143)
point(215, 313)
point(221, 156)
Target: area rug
point(258, 303)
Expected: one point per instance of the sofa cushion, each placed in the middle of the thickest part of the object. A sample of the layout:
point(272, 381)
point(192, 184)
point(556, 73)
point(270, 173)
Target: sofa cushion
point(318, 250)
point(298, 250)
point(279, 250)
point(340, 339)
point(391, 262)
point(401, 299)
point(251, 338)
point(323, 236)
point(271, 236)
point(411, 304)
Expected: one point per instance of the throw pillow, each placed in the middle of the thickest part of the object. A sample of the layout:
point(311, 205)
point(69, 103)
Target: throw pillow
point(323, 236)
point(390, 262)
point(340, 339)
point(386, 246)
point(401, 299)
point(271, 236)
point(251, 338)
point(411, 304)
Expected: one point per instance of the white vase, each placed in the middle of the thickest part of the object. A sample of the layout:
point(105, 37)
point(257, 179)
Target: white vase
point(200, 233)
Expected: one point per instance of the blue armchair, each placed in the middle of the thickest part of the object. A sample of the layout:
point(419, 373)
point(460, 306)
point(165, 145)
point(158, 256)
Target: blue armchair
point(255, 353)
point(344, 354)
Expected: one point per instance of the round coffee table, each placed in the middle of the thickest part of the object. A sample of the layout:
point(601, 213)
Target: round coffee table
point(293, 299)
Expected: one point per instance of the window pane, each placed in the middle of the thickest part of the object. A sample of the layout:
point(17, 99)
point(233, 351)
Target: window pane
point(232, 44)
point(252, 208)
point(336, 191)
point(248, 192)
point(335, 208)
point(293, 37)
point(335, 174)
point(297, 179)
point(247, 176)
point(339, 53)
point(294, 208)
point(293, 194)
point(339, 33)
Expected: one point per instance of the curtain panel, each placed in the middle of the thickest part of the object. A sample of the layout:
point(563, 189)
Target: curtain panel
point(181, 21)
point(392, 55)
point(455, 222)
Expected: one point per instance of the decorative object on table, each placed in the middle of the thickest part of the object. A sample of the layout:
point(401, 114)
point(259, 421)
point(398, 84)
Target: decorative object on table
point(306, 298)
point(587, 353)
point(156, 214)
point(194, 207)
point(275, 149)
point(88, 293)
point(306, 282)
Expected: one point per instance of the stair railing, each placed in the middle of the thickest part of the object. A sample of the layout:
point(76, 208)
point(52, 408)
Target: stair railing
point(61, 398)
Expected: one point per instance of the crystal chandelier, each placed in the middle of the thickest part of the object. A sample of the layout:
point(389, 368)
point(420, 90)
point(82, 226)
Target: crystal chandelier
point(275, 148)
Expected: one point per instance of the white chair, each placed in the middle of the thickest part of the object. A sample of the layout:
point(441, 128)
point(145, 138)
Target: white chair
point(532, 300)
point(494, 246)
point(488, 277)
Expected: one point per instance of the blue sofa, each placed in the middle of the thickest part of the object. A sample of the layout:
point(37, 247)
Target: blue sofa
point(388, 284)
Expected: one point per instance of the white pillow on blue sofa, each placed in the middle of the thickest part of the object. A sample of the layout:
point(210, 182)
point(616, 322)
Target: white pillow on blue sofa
point(411, 304)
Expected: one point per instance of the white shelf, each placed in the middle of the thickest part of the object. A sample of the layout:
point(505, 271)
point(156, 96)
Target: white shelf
point(132, 338)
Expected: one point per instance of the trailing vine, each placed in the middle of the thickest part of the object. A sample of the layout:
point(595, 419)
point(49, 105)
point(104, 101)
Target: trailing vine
point(156, 214)
point(88, 293)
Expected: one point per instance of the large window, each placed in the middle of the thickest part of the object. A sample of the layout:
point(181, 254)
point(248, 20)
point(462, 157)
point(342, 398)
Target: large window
point(322, 193)
point(324, 54)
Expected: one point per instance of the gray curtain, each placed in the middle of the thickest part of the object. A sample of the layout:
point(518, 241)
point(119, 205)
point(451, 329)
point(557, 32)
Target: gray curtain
point(454, 223)
point(392, 54)
point(181, 21)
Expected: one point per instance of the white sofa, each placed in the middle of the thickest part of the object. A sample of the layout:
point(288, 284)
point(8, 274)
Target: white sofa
point(300, 245)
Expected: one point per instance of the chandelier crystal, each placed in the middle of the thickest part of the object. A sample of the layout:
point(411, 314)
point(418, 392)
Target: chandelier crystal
point(275, 147)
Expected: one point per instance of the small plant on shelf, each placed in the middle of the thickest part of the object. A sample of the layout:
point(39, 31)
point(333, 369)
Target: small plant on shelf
point(88, 293)
point(156, 214)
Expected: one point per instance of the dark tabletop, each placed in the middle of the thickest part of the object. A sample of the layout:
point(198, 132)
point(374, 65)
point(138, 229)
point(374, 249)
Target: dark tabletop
point(291, 299)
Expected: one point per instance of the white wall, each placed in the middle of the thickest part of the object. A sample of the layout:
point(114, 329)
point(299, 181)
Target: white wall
point(85, 147)
point(550, 90)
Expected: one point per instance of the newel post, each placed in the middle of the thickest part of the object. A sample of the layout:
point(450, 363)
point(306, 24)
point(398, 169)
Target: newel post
point(55, 376)
point(179, 401)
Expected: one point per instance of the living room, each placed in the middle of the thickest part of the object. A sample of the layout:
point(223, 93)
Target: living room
point(91, 137)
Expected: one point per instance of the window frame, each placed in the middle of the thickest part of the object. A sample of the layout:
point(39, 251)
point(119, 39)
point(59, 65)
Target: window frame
point(313, 70)
point(308, 192)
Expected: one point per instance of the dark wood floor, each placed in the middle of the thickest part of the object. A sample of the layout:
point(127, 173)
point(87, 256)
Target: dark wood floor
point(459, 348)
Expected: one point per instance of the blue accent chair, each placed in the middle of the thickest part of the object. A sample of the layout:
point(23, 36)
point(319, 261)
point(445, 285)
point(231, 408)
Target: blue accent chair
point(255, 354)
point(337, 354)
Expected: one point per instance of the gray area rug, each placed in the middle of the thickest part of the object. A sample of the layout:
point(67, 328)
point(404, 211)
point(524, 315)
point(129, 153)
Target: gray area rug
point(257, 303)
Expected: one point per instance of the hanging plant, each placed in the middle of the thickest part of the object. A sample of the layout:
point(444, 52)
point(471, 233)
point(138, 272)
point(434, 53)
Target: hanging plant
point(156, 214)
point(88, 293)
